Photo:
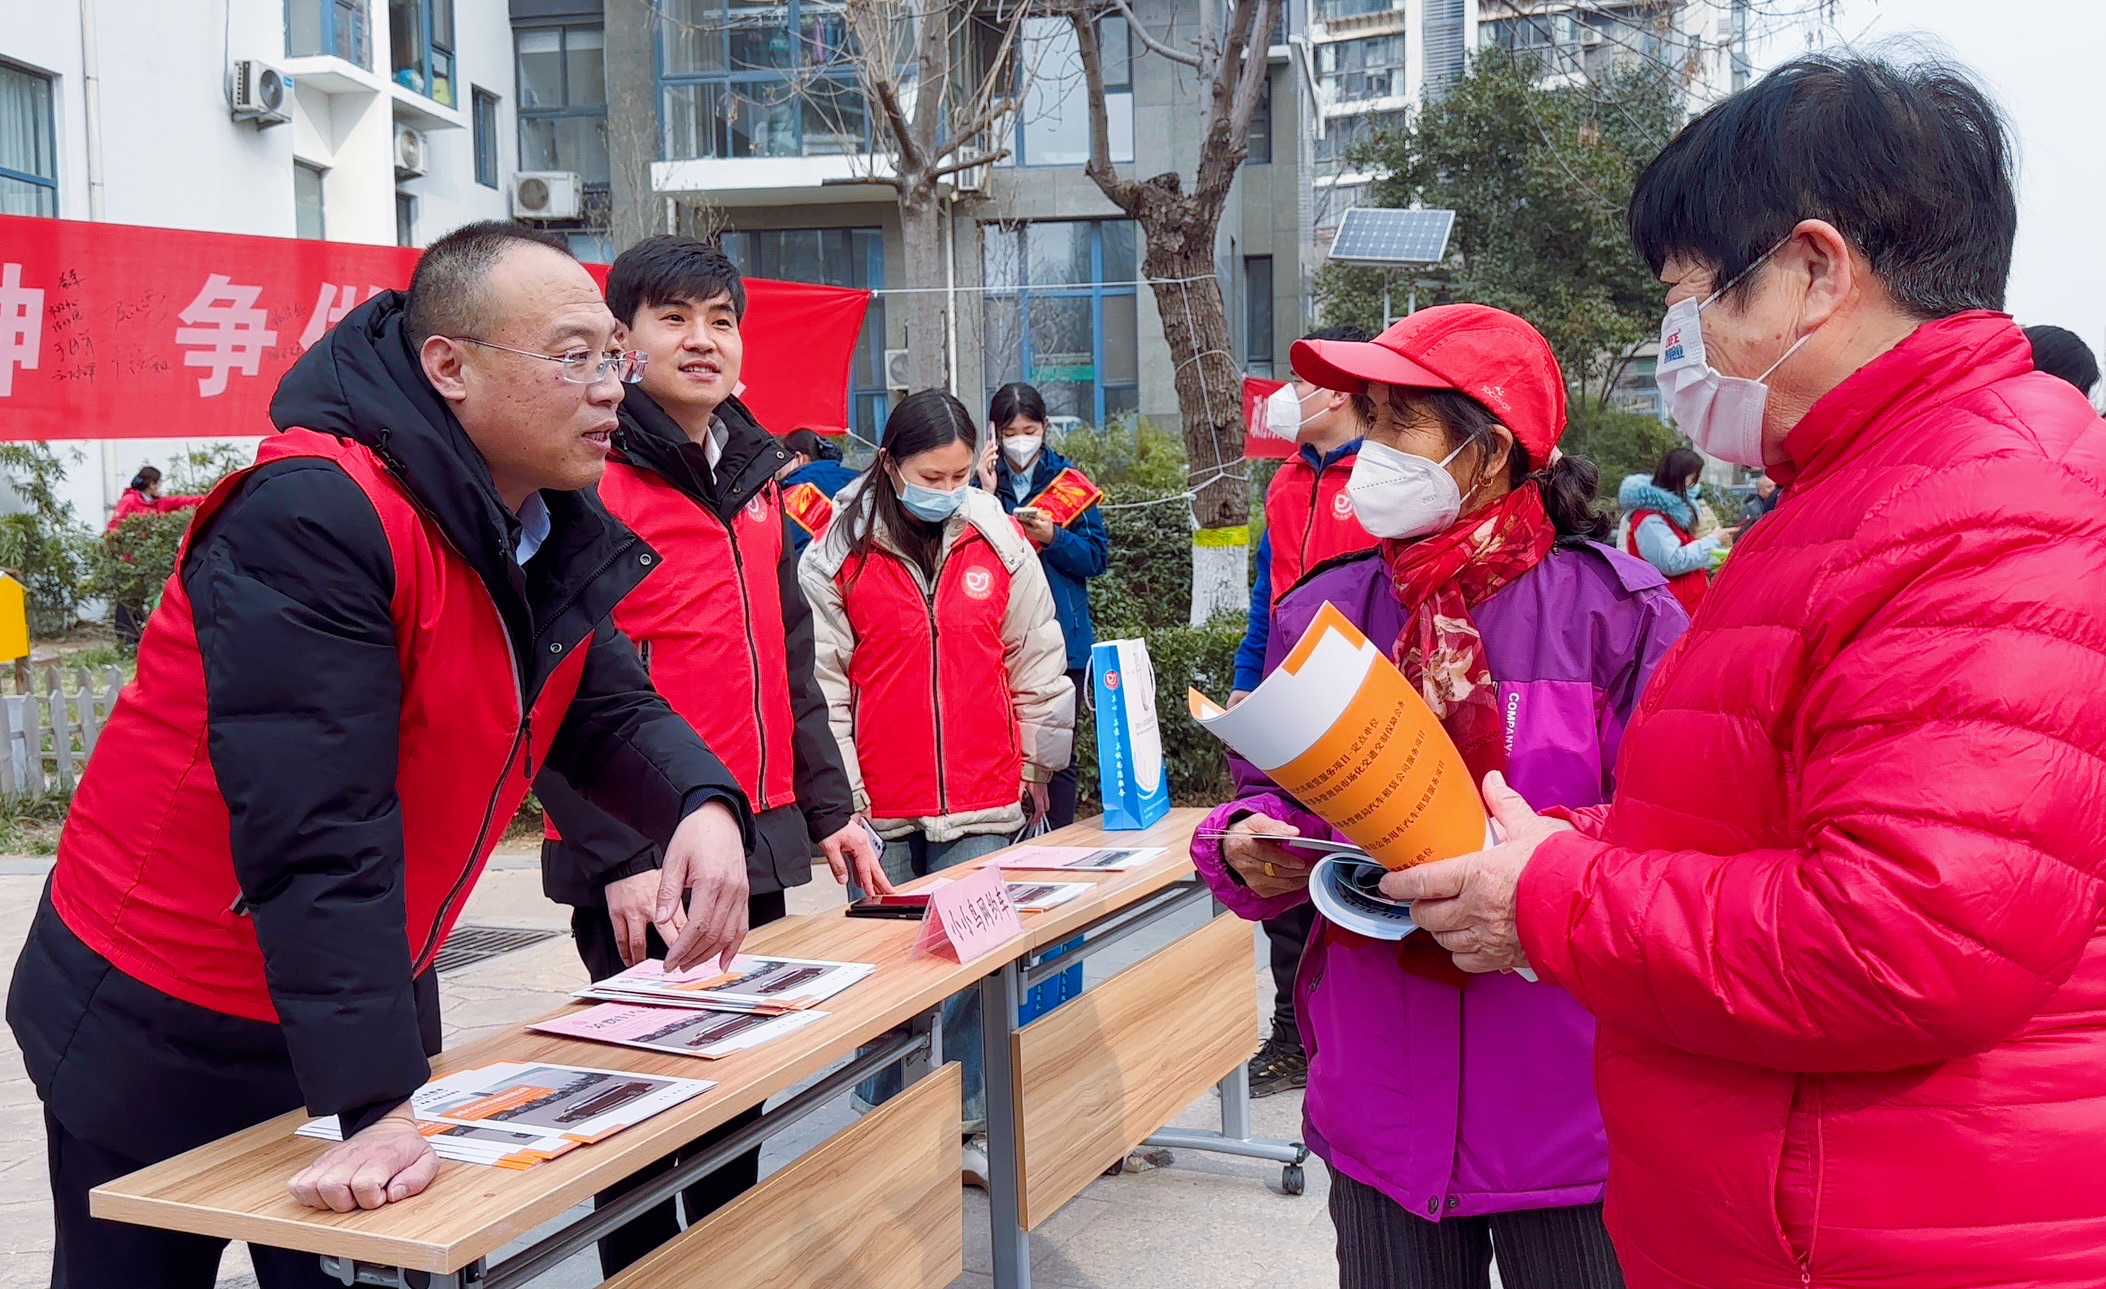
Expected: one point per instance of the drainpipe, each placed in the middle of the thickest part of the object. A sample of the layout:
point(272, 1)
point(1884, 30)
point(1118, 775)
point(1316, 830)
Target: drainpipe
point(950, 288)
point(91, 119)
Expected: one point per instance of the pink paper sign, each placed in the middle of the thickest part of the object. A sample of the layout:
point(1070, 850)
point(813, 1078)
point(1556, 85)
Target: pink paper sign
point(969, 917)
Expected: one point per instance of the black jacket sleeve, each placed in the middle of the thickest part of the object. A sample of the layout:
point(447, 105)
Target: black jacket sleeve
point(823, 793)
point(290, 590)
point(627, 752)
point(595, 848)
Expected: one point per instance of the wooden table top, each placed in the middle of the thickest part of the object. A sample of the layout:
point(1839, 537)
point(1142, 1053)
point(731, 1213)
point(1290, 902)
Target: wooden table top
point(234, 1188)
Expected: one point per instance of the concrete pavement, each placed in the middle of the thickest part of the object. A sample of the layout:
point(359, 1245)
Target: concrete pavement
point(1206, 1220)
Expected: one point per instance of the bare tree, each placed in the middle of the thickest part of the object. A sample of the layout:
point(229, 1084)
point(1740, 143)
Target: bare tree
point(939, 79)
point(1179, 224)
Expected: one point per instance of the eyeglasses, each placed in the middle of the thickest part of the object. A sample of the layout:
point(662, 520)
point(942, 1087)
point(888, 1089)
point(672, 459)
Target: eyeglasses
point(582, 367)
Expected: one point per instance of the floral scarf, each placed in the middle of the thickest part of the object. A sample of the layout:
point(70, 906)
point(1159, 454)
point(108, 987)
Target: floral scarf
point(1440, 579)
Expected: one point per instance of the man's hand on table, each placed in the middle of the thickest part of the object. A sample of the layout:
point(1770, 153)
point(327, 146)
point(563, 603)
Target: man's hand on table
point(707, 859)
point(1467, 903)
point(632, 905)
point(388, 1161)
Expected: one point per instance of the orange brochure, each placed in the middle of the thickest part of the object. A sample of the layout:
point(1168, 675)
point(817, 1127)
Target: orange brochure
point(1066, 496)
point(1339, 728)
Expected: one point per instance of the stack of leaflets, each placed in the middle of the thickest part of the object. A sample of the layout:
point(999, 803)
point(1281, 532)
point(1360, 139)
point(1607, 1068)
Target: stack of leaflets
point(515, 1115)
point(683, 1031)
point(1036, 897)
point(1080, 859)
point(769, 986)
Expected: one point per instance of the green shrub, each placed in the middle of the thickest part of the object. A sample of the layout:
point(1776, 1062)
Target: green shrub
point(131, 564)
point(46, 543)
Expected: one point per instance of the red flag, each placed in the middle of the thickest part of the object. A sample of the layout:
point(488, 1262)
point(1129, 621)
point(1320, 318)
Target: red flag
point(1259, 442)
point(109, 331)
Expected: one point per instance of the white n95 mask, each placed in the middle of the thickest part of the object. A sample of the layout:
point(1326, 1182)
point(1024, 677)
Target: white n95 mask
point(1283, 412)
point(1721, 414)
point(1403, 495)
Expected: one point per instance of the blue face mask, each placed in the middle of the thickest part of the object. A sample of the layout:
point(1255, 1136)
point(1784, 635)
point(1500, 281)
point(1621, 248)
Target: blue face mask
point(932, 505)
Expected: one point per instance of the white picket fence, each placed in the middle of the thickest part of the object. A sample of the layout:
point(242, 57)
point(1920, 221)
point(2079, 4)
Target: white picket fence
point(48, 732)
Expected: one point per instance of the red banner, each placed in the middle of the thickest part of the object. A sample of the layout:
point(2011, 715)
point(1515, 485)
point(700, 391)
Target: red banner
point(1260, 443)
point(108, 331)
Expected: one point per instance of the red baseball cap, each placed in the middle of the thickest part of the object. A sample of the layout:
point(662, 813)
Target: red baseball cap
point(1493, 356)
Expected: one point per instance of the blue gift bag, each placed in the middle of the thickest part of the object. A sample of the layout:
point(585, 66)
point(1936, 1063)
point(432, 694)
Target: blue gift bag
point(1135, 780)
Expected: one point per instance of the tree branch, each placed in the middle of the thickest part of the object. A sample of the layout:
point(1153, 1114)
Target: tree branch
point(1150, 43)
point(1123, 193)
point(967, 163)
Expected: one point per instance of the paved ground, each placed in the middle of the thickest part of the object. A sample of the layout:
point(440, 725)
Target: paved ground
point(1206, 1220)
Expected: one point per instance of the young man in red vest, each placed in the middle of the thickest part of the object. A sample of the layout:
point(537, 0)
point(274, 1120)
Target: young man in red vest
point(725, 634)
point(374, 637)
point(1308, 520)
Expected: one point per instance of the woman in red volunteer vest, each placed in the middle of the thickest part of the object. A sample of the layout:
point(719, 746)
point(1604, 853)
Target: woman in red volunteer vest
point(1661, 521)
point(944, 667)
point(372, 639)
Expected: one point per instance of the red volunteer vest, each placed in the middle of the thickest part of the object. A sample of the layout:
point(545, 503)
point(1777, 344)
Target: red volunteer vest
point(708, 622)
point(145, 872)
point(1689, 587)
point(1310, 519)
point(935, 721)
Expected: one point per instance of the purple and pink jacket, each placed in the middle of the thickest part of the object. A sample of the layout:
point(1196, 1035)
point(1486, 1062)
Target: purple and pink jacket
point(1457, 1102)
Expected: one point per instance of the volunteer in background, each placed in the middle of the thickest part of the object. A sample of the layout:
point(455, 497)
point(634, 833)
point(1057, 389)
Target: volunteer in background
point(943, 667)
point(370, 635)
point(2061, 353)
point(726, 636)
point(1308, 520)
point(141, 497)
point(1016, 467)
point(1661, 522)
point(1458, 1112)
point(814, 476)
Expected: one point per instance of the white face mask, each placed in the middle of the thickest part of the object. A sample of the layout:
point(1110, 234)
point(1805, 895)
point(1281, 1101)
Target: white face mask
point(1283, 412)
point(1022, 449)
point(1721, 414)
point(1403, 495)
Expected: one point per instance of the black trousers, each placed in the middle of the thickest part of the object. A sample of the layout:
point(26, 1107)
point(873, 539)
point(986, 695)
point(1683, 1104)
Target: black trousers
point(1382, 1246)
point(1286, 936)
point(630, 1244)
point(1066, 787)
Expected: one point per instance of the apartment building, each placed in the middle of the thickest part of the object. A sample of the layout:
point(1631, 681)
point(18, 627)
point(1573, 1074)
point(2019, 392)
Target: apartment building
point(377, 121)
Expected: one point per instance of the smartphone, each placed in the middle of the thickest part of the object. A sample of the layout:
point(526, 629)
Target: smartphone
point(907, 907)
point(1026, 512)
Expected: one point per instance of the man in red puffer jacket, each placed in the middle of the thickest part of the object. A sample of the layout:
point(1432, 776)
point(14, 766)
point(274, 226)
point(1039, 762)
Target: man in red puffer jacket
point(1841, 924)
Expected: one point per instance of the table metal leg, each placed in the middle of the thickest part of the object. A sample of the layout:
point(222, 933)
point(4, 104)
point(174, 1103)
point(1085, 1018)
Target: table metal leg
point(1000, 996)
point(353, 1272)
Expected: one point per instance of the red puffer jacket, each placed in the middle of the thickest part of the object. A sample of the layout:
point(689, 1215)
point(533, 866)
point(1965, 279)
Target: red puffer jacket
point(1841, 924)
point(1309, 516)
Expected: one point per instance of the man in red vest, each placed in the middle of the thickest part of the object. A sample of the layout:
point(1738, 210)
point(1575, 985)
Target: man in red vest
point(726, 635)
point(374, 638)
point(1308, 521)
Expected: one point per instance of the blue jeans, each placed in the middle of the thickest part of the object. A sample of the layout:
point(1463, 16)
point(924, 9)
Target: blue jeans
point(905, 860)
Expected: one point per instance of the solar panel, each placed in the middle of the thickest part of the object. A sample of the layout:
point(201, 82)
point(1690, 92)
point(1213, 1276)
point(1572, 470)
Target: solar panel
point(1371, 235)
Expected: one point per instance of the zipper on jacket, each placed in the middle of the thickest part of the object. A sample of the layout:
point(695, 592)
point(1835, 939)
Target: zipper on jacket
point(425, 956)
point(1316, 495)
point(760, 725)
point(928, 599)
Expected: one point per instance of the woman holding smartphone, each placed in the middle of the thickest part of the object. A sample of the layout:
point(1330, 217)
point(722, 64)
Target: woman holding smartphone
point(941, 660)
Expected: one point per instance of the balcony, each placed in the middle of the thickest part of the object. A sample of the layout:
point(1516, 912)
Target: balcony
point(330, 28)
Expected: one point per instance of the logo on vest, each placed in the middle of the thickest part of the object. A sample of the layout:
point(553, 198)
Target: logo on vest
point(979, 583)
point(1342, 504)
point(757, 509)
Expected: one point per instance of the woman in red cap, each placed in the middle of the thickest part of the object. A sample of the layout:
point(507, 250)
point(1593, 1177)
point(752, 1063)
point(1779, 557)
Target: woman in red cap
point(1456, 1111)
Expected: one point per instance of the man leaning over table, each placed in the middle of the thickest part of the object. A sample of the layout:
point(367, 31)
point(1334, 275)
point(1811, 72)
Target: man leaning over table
point(374, 638)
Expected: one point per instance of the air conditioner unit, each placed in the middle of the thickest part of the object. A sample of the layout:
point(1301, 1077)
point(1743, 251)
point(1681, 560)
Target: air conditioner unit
point(547, 194)
point(1589, 37)
point(897, 369)
point(409, 152)
point(259, 92)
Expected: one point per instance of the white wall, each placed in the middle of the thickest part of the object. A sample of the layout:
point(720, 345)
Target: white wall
point(172, 157)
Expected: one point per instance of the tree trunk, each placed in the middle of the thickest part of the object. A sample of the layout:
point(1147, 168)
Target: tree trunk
point(921, 240)
point(1210, 404)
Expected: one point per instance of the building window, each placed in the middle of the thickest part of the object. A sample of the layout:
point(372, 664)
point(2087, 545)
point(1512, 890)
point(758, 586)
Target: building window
point(1061, 312)
point(742, 79)
point(1355, 71)
point(421, 35)
point(405, 219)
point(308, 220)
point(1333, 10)
point(1053, 125)
point(485, 130)
point(331, 27)
point(1257, 314)
point(563, 101)
point(852, 257)
point(28, 151)
point(1529, 33)
point(1261, 127)
point(1344, 133)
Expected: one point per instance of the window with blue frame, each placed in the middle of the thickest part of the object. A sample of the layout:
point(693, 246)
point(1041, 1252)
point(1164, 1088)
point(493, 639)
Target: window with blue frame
point(769, 79)
point(853, 257)
point(563, 102)
point(1062, 313)
point(485, 129)
point(1053, 122)
point(28, 150)
point(335, 27)
point(420, 36)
